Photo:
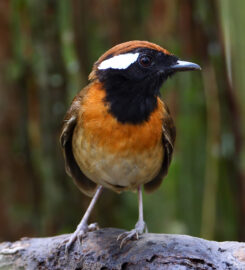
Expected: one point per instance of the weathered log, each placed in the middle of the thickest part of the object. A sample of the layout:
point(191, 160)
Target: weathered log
point(100, 250)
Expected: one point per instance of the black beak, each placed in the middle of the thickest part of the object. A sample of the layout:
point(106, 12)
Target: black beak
point(184, 66)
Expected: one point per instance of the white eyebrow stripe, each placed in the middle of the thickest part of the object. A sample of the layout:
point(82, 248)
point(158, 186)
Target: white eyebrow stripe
point(121, 61)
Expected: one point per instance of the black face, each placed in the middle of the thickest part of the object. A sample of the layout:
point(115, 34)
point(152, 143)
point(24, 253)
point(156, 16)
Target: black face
point(132, 92)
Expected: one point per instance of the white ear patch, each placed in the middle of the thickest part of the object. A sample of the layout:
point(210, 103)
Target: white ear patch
point(121, 61)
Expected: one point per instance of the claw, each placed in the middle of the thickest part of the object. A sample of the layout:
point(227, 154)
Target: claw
point(121, 236)
point(127, 236)
point(78, 235)
point(139, 229)
point(93, 227)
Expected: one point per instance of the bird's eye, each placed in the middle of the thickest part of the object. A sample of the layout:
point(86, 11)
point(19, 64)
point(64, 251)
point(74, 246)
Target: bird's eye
point(145, 60)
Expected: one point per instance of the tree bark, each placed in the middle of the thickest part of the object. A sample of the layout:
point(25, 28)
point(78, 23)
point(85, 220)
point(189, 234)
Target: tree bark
point(100, 250)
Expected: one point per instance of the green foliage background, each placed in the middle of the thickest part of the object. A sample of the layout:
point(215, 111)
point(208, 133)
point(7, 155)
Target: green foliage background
point(47, 49)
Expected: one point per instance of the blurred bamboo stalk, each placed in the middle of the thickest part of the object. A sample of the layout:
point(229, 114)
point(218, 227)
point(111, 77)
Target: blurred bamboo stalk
point(213, 152)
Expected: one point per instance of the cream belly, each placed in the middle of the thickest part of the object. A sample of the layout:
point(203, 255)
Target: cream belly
point(117, 170)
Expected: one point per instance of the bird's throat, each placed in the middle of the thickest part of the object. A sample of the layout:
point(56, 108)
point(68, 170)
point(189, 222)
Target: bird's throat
point(131, 102)
point(132, 109)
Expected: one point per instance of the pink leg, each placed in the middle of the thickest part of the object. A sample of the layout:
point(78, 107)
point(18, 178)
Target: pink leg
point(83, 227)
point(140, 226)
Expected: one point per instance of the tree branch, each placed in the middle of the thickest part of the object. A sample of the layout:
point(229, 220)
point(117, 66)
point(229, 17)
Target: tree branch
point(100, 250)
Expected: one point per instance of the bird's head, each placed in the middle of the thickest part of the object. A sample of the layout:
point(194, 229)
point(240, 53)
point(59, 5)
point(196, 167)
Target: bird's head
point(132, 74)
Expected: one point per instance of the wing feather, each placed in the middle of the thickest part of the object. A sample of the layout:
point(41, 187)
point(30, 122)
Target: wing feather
point(168, 140)
point(84, 183)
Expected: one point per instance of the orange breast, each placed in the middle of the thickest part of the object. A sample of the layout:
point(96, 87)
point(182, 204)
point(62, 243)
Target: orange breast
point(104, 130)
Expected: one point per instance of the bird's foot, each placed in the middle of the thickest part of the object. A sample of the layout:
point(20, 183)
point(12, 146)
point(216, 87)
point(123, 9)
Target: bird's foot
point(79, 233)
point(139, 229)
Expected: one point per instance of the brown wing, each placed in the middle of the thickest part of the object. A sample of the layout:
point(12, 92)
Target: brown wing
point(84, 184)
point(168, 139)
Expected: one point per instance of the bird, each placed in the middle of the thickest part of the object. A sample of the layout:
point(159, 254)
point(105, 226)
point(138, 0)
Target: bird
point(118, 133)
